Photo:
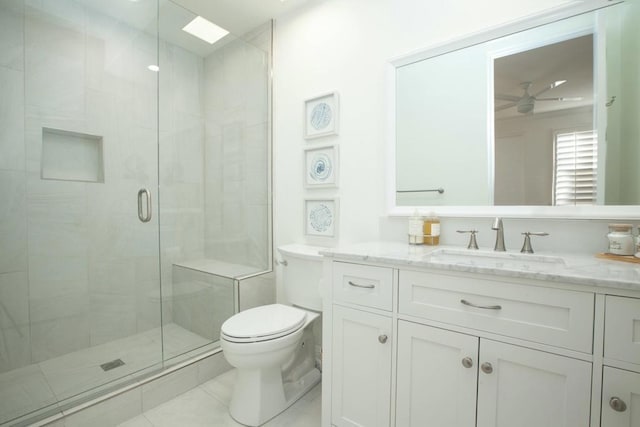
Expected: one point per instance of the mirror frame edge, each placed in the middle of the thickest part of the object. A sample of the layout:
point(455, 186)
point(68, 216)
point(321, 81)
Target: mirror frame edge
point(551, 212)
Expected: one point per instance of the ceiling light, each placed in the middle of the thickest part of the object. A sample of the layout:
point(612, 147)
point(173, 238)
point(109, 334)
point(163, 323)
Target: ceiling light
point(205, 30)
point(154, 67)
point(558, 83)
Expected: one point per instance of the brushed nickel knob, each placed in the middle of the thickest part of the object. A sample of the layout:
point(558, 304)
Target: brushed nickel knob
point(467, 362)
point(382, 339)
point(617, 404)
point(486, 368)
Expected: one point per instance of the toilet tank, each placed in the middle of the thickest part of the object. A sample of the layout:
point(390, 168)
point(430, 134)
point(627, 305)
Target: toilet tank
point(301, 274)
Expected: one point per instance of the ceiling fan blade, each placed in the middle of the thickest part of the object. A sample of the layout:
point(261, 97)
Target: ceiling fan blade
point(564, 98)
point(503, 97)
point(505, 106)
point(550, 86)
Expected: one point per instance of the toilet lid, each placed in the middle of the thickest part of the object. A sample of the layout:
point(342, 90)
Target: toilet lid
point(263, 323)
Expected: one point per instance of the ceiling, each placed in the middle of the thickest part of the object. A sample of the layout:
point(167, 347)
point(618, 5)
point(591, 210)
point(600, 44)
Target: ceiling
point(240, 16)
point(236, 16)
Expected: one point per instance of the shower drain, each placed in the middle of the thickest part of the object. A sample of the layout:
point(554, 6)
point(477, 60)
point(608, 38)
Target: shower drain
point(112, 365)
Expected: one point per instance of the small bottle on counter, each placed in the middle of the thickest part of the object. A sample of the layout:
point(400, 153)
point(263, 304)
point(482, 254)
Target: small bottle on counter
point(621, 240)
point(415, 229)
point(431, 230)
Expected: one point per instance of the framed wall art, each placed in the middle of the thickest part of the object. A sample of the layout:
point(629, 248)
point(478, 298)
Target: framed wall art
point(321, 218)
point(321, 116)
point(321, 167)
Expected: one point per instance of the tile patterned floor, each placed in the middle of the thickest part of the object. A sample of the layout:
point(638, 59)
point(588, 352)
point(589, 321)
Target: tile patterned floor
point(207, 406)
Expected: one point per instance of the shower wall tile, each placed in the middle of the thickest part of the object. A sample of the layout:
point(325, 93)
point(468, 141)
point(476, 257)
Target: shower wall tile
point(59, 336)
point(11, 35)
point(257, 291)
point(111, 274)
point(201, 301)
point(147, 301)
point(11, 117)
point(112, 317)
point(15, 347)
point(13, 226)
point(187, 73)
point(59, 306)
point(54, 62)
point(54, 276)
point(70, 11)
point(236, 152)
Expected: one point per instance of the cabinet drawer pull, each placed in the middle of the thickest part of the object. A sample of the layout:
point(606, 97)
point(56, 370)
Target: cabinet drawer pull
point(382, 339)
point(485, 307)
point(617, 404)
point(467, 362)
point(486, 368)
point(357, 285)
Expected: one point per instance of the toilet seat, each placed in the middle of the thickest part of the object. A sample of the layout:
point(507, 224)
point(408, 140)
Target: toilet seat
point(263, 323)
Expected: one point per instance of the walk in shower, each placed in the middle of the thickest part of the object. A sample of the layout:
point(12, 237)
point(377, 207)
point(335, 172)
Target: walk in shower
point(135, 194)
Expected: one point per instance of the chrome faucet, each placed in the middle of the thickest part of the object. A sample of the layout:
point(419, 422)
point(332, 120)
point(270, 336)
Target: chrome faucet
point(497, 225)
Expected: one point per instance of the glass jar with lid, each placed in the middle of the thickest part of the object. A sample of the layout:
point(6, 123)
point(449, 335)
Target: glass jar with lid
point(620, 239)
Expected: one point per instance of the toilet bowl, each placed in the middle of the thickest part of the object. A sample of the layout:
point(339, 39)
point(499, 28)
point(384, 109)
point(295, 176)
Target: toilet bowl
point(272, 346)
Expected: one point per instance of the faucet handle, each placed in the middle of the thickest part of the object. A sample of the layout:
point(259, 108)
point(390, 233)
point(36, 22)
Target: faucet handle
point(473, 244)
point(526, 247)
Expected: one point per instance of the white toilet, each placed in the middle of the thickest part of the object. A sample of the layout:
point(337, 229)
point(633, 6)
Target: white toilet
point(272, 346)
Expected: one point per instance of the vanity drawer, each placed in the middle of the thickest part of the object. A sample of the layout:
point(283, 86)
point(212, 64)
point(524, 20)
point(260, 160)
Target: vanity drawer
point(622, 329)
point(363, 285)
point(550, 316)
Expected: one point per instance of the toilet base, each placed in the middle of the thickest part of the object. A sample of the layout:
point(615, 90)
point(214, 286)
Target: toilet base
point(254, 405)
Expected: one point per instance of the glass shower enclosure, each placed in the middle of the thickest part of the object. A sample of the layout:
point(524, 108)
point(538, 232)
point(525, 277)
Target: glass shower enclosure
point(135, 193)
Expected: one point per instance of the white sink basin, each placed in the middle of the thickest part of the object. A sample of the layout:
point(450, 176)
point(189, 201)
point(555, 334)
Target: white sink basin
point(491, 259)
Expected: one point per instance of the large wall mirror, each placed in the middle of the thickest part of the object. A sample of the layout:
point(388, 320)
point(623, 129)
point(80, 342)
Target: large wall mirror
point(537, 118)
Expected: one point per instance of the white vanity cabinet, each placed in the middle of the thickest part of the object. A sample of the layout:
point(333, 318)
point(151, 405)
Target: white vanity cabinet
point(621, 376)
point(444, 377)
point(361, 368)
point(522, 387)
point(409, 346)
point(516, 386)
point(620, 398)
point(362, 345)
point(437, 377)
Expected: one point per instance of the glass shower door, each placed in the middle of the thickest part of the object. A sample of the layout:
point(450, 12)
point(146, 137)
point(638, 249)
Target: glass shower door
point(79, 274)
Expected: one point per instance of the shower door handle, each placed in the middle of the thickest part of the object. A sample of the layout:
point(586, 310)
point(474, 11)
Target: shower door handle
point(147, 195)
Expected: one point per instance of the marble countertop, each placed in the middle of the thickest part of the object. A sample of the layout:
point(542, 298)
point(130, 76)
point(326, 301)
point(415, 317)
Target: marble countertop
point(551, 267)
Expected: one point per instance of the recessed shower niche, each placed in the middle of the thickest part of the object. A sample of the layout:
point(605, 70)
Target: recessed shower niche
point(71, 156)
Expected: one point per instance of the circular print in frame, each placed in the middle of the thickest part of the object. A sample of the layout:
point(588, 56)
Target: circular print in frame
point(321, 116)
point(320, 168)
point(320, 218)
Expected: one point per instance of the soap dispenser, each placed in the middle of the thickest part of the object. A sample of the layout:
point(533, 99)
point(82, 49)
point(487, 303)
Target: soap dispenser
point(431, 229)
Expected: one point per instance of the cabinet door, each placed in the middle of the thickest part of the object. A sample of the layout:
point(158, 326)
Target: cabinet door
point(361, 389)
point(620, 398)
point(520, 387)
point(437, 377)
point(622, 329)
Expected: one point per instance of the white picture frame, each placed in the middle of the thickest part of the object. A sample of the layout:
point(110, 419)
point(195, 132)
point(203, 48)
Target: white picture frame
point(321, 167)
point(321, 218)
point(321, 115)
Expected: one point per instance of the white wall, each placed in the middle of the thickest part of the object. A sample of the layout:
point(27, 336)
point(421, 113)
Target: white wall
point(344, 45)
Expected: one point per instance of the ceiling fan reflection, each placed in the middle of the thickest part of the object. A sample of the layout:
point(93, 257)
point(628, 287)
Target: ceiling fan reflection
point(525, 104)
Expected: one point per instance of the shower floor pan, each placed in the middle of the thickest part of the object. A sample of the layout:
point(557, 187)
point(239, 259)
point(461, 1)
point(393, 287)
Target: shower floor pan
point(30, 388)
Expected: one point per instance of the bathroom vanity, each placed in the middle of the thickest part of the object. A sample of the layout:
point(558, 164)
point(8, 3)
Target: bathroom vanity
point(423, 336)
